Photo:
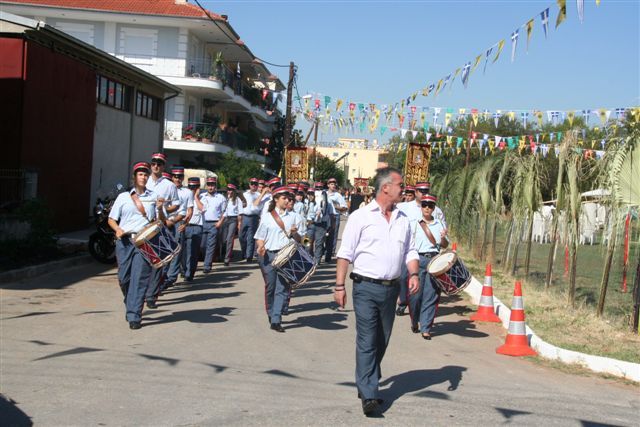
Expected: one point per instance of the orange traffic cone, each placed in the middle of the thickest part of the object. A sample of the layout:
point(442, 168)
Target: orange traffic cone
point(454, 247)
point(516, 343)
point(485, 311)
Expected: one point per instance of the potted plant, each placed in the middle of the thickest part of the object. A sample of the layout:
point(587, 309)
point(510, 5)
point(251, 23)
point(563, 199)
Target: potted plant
point(218, 67)
point(188, 133)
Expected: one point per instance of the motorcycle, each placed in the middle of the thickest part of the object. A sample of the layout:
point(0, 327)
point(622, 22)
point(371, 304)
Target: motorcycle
point(102, 243)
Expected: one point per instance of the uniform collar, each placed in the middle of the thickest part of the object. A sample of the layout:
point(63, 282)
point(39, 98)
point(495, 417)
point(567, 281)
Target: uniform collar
point(133, 191)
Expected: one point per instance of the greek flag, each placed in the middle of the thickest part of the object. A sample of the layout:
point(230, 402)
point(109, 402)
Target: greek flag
point(514, 43)
point(544, 17)
point(465, 73)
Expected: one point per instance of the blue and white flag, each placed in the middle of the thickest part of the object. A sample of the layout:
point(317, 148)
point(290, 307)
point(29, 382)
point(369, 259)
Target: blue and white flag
point(514, 43)
point(486, 59)
point(620, 113)
point(585, 115)
point(544, 17)
point(496, 117)
point(525, 116)
point(465, 73)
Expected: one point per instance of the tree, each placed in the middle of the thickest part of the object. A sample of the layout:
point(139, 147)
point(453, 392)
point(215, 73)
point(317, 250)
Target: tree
point(325, 168)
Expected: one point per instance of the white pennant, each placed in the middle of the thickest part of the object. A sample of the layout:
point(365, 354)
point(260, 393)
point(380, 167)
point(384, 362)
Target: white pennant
point(403, 132)
point(428, 136)
point(414, 133)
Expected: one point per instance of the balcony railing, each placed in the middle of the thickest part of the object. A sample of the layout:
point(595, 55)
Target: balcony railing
point(210, 133)
point(203, 68)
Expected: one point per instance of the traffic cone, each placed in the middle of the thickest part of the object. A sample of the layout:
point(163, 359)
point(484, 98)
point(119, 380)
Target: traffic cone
point(516, 343)
point(485, 311)
point(454, 247)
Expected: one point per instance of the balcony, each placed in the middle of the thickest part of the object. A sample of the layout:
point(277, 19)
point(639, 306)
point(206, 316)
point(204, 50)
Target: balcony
point(209, 138)
point(201, 77)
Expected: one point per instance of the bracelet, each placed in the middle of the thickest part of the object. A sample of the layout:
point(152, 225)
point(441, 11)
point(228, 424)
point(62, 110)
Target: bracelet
point(414, 274)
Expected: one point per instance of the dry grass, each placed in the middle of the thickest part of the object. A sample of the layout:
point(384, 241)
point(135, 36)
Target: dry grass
point(550, 317)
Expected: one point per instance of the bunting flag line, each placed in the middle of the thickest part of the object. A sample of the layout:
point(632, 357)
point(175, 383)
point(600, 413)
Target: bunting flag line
point(529, 31)
point(486, 59)
point(500, 46)
point(562, 12)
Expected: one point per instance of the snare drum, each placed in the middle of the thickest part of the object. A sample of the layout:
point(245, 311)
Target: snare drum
point(295, 264)
point(157, 244)
point(449, 273)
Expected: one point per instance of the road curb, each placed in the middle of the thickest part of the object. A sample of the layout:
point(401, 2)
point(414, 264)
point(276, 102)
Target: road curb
point(618, 368)
point(40, 269)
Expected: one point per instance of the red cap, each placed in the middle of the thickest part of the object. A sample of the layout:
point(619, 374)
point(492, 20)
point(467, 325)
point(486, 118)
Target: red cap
point(194, 180)
point(143, 166)
point(159, 156)
point(273, 181)
point(166, 175)
point(429, 198)
point(231, 187)
point(281, 190)
point(261, 181)
point(293, 187)
point(177, 170)
point(319, 185)
point(252, 180)
point(301, 189)
point(212, 180)
point(410, 189)
point(423, 185)
point(311, 191)
point(330, 180)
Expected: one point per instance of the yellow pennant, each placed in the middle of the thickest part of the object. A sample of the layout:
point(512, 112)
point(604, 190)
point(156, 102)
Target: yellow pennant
point(449, 140)
point(474, 116)
point(570, 116)
point(425, 91)
point(461, 111)
point(413, 97)
point(458, 150)
point(475, 64)
point(562, 12)
point(603, 115)
point(597, 2)
point(529, 31)
point(447, 119)
point(522, 145)
point(492, 145)
point(539, 116)
point(377, 115)
point(511, 115)
point(498, 50)
point(423, 116)
point(438, 87)
point(339, 104)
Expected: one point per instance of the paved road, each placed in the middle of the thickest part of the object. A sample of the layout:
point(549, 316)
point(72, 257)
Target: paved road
point(207, 357)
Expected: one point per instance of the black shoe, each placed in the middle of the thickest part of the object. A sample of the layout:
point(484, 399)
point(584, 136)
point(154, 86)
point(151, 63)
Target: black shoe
point(249, 260)
point(427, 337)
point(380, 401)
point(226, 264)
point(400, 311)
point(415, 329)
point(206, 271)
point(369, 406)
point(135, 325)
point(188, 279)
point(152, 305)
point(277, 327)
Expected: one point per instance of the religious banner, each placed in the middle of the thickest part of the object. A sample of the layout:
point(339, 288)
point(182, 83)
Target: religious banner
point(296, 164)
point(416, 164)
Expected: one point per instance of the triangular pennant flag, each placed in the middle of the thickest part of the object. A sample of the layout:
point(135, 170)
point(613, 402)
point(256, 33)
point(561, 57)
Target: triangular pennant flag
point(475, 64)
point(438, 87)
point(511, 115)
point(539, 117)
point(500, 46)
point(570, 116)
point(529, 31)
point(580, 4)
point(486, 59)
point(447, 119)
point(465, 73)
point(339, 104)
point(524, 116)
point(474, 117)
point(544, 17)
point(514, 43)
point(562, 12)
point(327, 101)
point(414, 133)
point(428, 135)
point(496, 118)
point(604, 115)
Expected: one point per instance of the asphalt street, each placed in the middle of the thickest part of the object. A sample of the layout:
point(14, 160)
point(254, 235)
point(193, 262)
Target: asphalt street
point(206, 356)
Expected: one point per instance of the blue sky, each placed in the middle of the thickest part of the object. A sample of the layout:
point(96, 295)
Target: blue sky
point(383, 51)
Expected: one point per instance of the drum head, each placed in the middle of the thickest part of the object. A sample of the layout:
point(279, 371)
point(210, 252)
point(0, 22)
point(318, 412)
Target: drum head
point(442, 263)
point(284, 254)
point(148, 232)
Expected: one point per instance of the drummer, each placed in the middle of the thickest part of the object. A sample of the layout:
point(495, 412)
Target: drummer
point(193, 232)
point(270, 238)
point(130, 213)
point(430, 236)
point(411, 207)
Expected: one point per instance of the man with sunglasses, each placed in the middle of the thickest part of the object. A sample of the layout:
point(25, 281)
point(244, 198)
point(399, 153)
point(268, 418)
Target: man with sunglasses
point(213, 204)
point(340, 205)
point(166, 190)
point(377, 239)
point(181, 218)
point(250, 218)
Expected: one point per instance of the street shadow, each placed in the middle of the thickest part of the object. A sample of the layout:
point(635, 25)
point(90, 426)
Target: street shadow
point(197, 297)
point(211, 315)
point(11, 414)
point(59, 279)
point(460, 310)
point(418, 381)
point(182, 287)
point(34, 313)
point(326, 322)
point(70, 352)
point(463, 328)
point(311, 306)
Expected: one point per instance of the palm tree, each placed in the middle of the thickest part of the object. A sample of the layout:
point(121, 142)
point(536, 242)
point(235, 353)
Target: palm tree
point(556, 216)
point(498, 203)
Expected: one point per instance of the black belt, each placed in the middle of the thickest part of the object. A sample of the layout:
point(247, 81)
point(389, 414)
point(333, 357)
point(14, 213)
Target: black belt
point(428, 253)
point(215, 220)
point(194, 225)
point(250, 215)
point(358, 278)
point(234, 216)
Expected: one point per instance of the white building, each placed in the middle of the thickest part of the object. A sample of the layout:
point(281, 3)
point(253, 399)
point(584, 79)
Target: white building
point(179, 43)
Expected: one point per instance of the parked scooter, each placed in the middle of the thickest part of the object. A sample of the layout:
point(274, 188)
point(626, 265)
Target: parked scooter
point(102, 243)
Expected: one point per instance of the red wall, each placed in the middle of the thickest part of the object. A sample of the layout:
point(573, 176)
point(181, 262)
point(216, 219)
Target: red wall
point(57, 127)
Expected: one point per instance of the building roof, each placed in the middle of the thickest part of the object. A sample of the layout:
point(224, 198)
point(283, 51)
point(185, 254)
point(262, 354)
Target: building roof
point(143, 7)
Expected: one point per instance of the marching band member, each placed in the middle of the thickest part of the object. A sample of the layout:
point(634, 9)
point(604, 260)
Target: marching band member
point(167, 191)
point(250, 219)
point(409, 194)
point(265, 196)
point(231, 220)
point(180, 219)
point(340, 206)
point(193, 231)
point(213, 209)
point(274, 231)
point(299, 204)
point(377, 239)
point(130, 213)
point(322, 217)
point(309, 216)
point(424, 188)
point(430, 235)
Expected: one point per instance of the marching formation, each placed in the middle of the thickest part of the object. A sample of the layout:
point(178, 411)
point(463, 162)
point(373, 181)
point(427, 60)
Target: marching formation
point(393, 238)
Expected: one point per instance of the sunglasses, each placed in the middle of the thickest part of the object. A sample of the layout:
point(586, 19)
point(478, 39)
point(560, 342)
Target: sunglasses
point(156, 163)
point(429, 205)
point(253, 183)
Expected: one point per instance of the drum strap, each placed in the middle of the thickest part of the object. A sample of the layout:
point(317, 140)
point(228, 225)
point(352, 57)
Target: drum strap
point(428, 233)
point(138, 203)
point(278, 221)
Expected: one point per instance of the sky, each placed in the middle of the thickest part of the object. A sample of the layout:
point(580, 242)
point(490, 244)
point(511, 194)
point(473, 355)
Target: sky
point(383, 51)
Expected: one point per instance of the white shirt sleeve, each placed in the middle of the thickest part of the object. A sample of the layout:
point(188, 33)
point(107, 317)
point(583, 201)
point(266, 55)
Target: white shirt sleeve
point(116, 209)
point(350, 237)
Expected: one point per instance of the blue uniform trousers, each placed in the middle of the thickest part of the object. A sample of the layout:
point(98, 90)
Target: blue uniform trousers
point(177, 263)
point(192, 237)
point(404, 288)
point(276, 289)
point(229, 227)
point(332, 239)
point(247, 231)
point(374, 306)
point(424, 303)
point(320, 235)
point(134, 273)
point(209, 240)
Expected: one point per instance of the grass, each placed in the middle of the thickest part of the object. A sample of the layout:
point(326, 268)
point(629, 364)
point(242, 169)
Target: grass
point(548, 313)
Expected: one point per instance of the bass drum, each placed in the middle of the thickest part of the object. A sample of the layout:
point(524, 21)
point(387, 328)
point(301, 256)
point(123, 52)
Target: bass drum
point(449, 273)
point(295, 264)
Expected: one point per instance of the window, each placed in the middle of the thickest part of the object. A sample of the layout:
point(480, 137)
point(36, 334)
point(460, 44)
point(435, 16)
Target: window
point(147, 106)
point(112, 93)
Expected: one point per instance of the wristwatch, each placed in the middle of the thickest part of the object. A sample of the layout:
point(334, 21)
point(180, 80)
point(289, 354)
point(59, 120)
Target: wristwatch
point(414, 274)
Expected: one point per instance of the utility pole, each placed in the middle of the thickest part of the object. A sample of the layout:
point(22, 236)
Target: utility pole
point(287, 120)
point(315, 147)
